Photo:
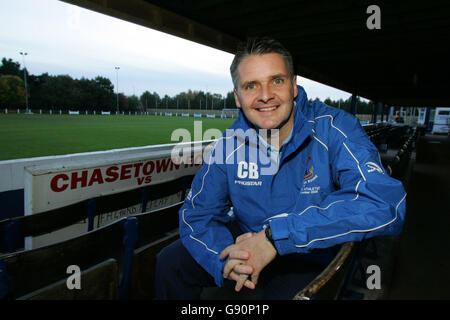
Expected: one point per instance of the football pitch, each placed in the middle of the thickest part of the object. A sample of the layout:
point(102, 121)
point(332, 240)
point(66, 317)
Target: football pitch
point(35, 135)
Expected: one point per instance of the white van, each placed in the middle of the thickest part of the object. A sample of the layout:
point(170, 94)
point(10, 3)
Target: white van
point(441, 121)
point(421, 116)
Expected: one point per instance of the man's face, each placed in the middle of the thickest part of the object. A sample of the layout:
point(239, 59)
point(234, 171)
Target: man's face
point(265, 92)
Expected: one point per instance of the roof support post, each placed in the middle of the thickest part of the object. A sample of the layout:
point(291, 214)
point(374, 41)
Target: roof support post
point(374, 112)
point(427, 118)
point(376, 108)
point(353, 105)
point(391, 114)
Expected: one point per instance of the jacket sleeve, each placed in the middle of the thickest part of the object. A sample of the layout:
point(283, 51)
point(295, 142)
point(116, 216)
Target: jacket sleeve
point(203, 217)
point(368, 202)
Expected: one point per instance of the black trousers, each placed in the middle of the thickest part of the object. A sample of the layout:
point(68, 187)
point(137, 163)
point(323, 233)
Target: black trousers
point(179, 276)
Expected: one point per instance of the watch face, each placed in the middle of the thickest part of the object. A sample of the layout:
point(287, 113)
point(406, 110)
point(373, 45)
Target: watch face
point(269, 233)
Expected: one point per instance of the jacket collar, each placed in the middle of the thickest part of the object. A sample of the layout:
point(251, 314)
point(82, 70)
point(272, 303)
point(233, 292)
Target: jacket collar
point(302, 129)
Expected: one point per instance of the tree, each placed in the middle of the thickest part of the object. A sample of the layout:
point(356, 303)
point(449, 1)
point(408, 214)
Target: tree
point(156, 100)
point(58, 92)
point(133, 103)
point(104, 93)
point(63, 92)
point(146, 99)
point(123, 103)
point(87, 98)
point(10, 67)
point(12, 91)
point(230, 102)
point(35, 96)
point(166, 102)
point(216, 100)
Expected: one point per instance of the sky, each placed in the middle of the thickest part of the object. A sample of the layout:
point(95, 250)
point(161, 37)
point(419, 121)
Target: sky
point(60, 38)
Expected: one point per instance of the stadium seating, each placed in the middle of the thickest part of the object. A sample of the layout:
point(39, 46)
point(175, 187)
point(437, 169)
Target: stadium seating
point(398, 165)
point(100, 282)
point(14, 230)
point(329, 284)
point(40, 272)
point(118, 260)
point(334, 280)
point(34, 269)
point(31, 270)
point(144, 267)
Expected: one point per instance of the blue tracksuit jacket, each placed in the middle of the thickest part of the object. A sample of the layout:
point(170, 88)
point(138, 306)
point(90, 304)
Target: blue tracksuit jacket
point(325, 186)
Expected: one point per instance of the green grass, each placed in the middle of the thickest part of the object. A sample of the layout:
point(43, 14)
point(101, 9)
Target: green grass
point(25, 136)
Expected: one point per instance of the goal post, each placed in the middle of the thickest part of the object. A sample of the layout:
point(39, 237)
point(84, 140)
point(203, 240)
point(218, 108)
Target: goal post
point(230, 113)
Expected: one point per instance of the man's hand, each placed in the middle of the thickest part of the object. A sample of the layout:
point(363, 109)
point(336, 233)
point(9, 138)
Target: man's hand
point(260, 253)
point(235, 267)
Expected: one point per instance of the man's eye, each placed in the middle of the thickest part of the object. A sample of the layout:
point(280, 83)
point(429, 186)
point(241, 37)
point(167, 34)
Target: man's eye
point(250, 86)
point(278, 81)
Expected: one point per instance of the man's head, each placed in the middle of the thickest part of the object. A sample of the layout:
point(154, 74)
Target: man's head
point(259, 46)
point(265, 84)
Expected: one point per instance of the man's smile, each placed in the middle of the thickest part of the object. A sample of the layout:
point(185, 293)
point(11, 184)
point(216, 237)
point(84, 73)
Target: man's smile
point(265, 109)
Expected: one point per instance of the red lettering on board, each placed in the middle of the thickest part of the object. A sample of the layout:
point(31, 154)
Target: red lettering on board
point(142, 171)
point(173, 164)
point(198, 160)
point(147, 180)
point(147, 171)
point(112, 174)
point(162, 164)
point(137, 167)
point(125, 172)
point(96, 177)
point(54, 182)
point(75, 179)
point(188, 161)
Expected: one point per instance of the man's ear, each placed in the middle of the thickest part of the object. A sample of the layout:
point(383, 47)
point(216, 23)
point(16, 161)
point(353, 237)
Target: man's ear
point(236, 98)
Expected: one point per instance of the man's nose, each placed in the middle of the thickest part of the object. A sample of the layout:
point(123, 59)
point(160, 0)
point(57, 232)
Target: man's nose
point(265, 94)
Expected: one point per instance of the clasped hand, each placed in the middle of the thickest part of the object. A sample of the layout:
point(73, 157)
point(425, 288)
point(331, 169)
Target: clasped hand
point(246, 258)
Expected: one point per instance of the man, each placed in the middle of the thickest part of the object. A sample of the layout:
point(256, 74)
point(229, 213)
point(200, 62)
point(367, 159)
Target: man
point(299, 178)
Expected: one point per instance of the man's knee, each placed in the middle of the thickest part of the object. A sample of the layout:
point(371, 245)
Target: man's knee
point(168, 259)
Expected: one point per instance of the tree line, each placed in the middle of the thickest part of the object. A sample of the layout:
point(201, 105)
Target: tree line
point(62, 92)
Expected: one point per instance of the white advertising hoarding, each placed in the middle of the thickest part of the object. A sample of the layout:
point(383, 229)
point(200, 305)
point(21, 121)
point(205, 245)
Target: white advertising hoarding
point(63, 182)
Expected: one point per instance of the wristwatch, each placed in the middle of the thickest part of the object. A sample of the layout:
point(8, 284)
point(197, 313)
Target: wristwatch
point(268, 232)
